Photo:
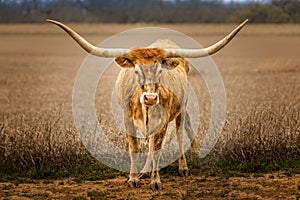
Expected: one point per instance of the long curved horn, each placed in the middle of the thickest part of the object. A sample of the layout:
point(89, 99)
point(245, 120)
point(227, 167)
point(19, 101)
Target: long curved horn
point(196, 53)
point(97, 51)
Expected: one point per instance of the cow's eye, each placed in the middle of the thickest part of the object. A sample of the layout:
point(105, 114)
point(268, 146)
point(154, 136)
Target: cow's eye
point(159, 69)
point(158, 72)
point(137, 69)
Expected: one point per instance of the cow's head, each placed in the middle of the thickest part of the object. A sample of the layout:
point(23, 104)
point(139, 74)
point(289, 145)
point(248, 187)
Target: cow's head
point(148, 65)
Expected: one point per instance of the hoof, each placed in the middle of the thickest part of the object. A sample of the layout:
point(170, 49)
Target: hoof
point(144, 175)
point(184, 172)
point(156, 186)
point(134, 184)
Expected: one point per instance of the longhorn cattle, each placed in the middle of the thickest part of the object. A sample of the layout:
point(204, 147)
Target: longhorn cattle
point(152, 90)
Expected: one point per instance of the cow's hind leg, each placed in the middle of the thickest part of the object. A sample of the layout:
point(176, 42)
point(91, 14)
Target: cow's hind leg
point(190, 133)
point(183, 168)
point(134, 180)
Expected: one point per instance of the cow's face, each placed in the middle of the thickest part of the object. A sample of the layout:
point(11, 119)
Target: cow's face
point(148, 65)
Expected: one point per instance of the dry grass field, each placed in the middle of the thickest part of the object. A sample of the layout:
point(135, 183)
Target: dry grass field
point(257, 156)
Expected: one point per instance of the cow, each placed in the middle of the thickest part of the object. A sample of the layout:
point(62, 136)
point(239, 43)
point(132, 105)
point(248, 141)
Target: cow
point(152, 90)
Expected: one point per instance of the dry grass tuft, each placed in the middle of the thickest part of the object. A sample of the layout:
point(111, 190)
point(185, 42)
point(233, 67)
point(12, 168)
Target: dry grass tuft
point(38, 141)
point(267, 138)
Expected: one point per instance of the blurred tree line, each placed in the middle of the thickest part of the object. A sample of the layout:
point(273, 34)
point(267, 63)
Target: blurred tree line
point(153, 11)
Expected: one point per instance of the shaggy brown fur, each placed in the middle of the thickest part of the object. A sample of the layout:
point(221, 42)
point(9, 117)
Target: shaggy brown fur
point(145, 56)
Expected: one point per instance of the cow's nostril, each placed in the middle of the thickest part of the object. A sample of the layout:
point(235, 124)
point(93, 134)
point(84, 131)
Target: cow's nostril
point(150, 98)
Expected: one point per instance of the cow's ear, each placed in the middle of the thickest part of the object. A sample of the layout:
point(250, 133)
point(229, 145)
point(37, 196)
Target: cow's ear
point(170, 63)
point(124, 62)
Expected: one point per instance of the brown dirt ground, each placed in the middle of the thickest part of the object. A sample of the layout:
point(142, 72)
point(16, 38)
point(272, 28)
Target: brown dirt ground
point(251, 186)
point(40, 60)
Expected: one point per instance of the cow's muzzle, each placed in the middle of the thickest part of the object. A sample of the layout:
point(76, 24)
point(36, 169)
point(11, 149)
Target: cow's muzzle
point(149, 98)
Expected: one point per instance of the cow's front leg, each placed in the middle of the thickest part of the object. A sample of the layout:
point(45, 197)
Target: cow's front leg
point(155, 151)
point(183, 168)
point(147, 167)
point(134, 180)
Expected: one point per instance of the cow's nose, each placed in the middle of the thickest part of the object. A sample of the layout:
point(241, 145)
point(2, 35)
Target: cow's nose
point(150, 98)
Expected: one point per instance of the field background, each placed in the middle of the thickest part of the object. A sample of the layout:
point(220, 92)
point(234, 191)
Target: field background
point(257, 156)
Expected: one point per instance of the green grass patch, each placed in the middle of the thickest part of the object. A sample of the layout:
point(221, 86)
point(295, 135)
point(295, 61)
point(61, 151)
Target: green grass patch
point(290, 166)
point(80, 173)
point(96, 171)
